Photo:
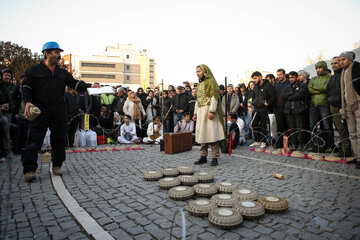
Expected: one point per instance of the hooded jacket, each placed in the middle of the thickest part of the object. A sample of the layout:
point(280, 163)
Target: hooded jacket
point(295, 96)
point(317, 86)
point(263, 93)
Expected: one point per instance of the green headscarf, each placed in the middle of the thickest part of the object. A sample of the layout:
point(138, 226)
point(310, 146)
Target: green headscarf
point(212, 90)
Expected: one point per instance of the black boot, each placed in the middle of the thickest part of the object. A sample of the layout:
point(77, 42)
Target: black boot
point(202, 160)
point(358, 164)
point(214, 162)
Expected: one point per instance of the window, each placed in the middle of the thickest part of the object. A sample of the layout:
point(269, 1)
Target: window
point(127, 78)
point(103, 65)
point(127, 67)
point(127, 56)
point(86, 75)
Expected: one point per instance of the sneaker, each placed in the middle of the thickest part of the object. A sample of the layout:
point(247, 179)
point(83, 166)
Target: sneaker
point(263, 145)
point(255, 144)
point(57, 171)
point(29, 176)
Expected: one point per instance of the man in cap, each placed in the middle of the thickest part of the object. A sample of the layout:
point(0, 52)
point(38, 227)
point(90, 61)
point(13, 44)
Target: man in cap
point(333, 91)
point(181, 104)
point(350, 99)
point(319, 108)
point(44, 87)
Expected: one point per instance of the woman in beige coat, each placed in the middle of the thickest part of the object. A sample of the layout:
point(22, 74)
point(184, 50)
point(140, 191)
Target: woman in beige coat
point(208, 115)
point(134, 108)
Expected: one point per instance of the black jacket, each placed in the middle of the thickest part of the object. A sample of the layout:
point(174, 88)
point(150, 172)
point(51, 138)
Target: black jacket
point(295, 97)
point(45, 89)
point(72, 104)
point(9, 91)
point(118, 104)
point(192, 101)
point(244, 101)
point(181, 101)
point(264, 93)
point(333, 89)
point(356, 76)
point(4, 96)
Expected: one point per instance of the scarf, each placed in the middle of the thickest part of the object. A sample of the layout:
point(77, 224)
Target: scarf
point(348, 94)
point(136, 114)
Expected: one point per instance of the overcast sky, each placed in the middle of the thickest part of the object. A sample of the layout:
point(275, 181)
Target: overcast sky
point(230, 36)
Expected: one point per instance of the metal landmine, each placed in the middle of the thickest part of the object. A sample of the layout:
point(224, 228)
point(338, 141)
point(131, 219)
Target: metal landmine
point(226, 187)
point(245, 194)
point(185, 170)
point(273, 204)
point(180, 193)
point(170, 172)
point(47, 157)
point(250, 209)
point(278, 176)
point(225, 218)
point(169, 182)
point(205, 177)
point(201, 207)
point(224, 200)
point(188, 180)
point(205, 190)
point(153, 175)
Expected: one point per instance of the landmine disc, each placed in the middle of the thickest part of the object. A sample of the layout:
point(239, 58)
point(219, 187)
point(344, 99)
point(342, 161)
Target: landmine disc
point(225, 218)
point(185, 170)
point(153, 175)
point(181, 193)
point(226, 187)
point(205, 177)
point(259, 150)
point(315, 156)
point(332, 159)
point(273, 204)
point(205, 190)
point(245, 194)
point(169, 182)
point(170, 172)
point(249, 209)
point(297, 154)
point(224, 200)
point(188, 180)
point(201, 207)
point(350, 160)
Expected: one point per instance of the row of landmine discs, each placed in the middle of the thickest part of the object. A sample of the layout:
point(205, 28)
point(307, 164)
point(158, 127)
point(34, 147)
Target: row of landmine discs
point(228, 204)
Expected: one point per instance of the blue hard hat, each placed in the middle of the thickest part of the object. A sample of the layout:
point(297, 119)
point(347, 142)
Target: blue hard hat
point(51, 45)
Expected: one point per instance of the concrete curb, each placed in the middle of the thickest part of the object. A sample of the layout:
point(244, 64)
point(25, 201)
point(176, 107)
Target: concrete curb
point(91, 227)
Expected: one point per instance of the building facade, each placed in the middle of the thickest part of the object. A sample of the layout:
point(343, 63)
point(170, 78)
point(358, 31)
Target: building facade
point(120, 65)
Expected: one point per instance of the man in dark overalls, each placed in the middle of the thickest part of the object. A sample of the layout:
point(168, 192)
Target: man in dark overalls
point(44, 87)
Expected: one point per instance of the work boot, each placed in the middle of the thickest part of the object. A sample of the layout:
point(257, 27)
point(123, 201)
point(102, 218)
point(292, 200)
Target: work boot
point(357, 164)
point(202, 160)
point(57, 171)
point(300, 148)
point(214, 162)
point(29, 176)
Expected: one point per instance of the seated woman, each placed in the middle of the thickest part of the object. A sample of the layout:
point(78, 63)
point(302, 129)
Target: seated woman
point(128, 131)
point(154, 131)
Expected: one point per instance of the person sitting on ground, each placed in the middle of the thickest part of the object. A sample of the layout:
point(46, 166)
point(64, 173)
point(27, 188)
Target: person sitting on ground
point(185, 125)
point(234, 129)
point(154, 131)
point(128, 131)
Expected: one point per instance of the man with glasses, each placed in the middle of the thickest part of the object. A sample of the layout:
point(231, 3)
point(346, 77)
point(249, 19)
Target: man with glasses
point(333, 91)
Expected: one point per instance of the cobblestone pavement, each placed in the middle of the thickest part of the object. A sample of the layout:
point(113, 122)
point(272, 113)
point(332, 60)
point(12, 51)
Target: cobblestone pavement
point(110, 187)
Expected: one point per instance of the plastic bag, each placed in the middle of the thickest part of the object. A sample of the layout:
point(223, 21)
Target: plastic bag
point(82, 138)
point(91, 138)
point(46, 142)
point(272, 125)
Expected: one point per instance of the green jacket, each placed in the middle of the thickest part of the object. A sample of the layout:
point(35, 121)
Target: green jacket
point(317, 86)
point(106, 99)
